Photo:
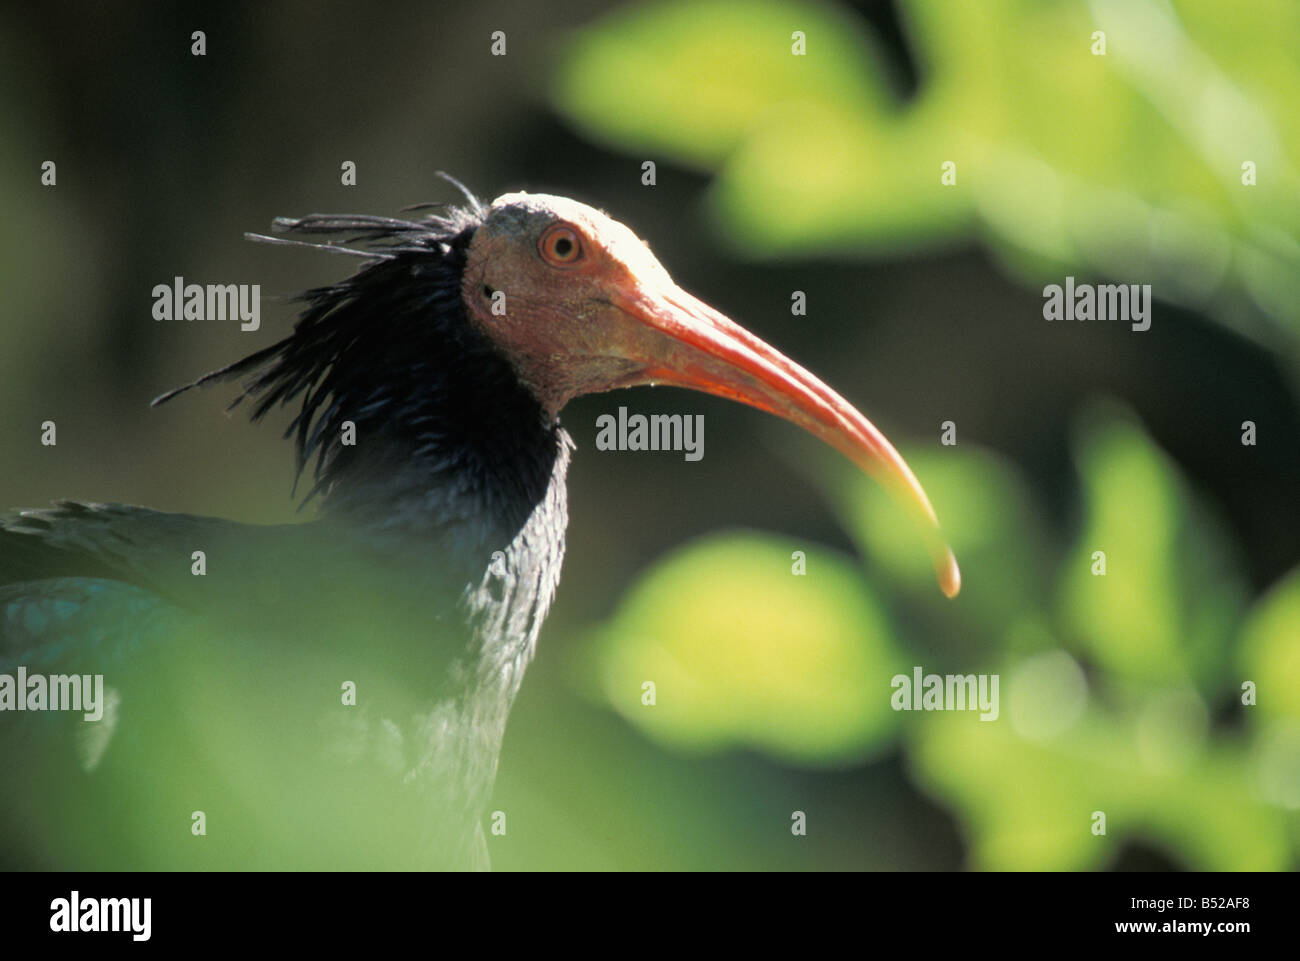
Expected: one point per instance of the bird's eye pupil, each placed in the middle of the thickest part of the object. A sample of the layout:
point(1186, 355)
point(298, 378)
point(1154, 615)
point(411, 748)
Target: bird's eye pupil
point(563, 246)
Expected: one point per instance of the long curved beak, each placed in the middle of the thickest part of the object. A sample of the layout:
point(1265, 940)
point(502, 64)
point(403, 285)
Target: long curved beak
point(709, 352)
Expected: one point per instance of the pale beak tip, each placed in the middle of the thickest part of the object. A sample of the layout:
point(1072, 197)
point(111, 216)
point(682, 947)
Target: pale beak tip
point(948, 572)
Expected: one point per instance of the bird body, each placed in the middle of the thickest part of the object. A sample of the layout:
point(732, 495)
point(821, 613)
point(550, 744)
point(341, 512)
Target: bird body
point(422, 584)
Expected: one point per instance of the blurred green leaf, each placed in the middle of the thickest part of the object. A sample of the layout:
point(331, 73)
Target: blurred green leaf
point(744, 652)
point(1028, 805)
point(1166, 606)
point(812, 154)
point(703, 75)
point(1270, 650)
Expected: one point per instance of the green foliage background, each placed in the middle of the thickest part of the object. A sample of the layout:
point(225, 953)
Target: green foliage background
point(1115, 166)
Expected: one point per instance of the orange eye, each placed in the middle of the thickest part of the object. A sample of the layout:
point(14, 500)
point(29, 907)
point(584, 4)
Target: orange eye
point(560, 245)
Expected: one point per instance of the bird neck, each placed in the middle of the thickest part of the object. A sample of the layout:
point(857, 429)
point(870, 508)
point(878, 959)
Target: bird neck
point(459, 735)
point(464, 481)
point(467, 463)
point(484, 520)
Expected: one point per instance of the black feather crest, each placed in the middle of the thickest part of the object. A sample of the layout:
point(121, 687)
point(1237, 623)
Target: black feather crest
point(354, 350)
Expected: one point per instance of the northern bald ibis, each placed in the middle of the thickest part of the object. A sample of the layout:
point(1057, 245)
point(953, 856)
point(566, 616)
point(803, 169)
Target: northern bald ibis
point(422, 583)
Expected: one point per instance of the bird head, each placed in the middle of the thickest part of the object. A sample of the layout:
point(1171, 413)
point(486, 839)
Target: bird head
point(579, 305)
point(532, 295)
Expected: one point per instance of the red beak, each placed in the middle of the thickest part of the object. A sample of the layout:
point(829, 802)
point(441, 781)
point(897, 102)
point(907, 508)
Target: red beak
point(711, 353)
